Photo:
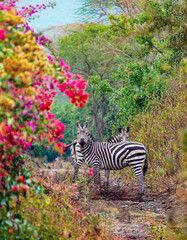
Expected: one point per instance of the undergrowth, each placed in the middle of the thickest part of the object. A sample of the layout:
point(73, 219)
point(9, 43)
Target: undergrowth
point(160, 130)
point(163, 131)
point(57, 214)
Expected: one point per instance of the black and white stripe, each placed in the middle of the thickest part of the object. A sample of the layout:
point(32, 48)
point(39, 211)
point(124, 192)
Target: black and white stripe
point(112, 156)
point(78, 158)
point(121, 136)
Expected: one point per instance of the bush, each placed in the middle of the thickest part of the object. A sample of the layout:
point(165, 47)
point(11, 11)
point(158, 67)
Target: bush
point(160, 131)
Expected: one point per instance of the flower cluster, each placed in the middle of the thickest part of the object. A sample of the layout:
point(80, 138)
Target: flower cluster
point(27, 12)
point(28, 85)
point(74, 89)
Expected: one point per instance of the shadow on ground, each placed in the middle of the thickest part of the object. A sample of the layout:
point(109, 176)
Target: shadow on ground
point(130, 216)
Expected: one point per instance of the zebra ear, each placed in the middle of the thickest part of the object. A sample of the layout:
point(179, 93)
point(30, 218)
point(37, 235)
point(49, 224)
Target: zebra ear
point(120, 129)
point(77, 124)
point(128, 129)
point(86, 125)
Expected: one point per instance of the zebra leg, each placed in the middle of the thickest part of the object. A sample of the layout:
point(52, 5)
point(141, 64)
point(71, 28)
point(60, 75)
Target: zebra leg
point(141, 183)
point(75, 174)
point(96, 174)
point(137, 169)
point(107, 174)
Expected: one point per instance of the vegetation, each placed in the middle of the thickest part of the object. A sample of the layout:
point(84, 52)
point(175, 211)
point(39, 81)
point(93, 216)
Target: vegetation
point(133, 56)
point(146, 84)
point(129, 63)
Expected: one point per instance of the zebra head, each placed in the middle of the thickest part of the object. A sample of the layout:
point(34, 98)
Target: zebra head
point(124, 134)
point(82, 134)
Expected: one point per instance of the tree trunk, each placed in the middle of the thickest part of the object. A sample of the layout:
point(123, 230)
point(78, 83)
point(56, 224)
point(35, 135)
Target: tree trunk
point(99, 121)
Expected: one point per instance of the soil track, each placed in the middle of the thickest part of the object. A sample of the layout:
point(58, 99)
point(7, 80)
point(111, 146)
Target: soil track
point(128, 215)
point(131, 217)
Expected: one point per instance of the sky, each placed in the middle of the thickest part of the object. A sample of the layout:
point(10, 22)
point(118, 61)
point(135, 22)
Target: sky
point(62, 14)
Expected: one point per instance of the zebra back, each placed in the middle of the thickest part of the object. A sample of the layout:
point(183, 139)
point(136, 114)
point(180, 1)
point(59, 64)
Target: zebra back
point(121, 136)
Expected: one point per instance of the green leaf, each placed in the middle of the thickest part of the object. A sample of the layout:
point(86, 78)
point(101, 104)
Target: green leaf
point(17, 216)
point(8, 222)
point(10, 120)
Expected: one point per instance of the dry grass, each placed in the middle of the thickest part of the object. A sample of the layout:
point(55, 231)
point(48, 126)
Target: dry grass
point(160, 130)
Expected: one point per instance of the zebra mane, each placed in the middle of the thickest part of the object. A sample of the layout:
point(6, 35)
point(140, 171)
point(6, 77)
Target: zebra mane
point(90, 136)
point(113, 137)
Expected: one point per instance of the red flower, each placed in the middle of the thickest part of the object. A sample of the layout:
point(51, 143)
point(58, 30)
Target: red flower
point(2, 34)
point(7, 165)
point(15, 188)
point(10, 230)
point(21, 179)
point(90, 173)
point(24, 188)
point(81, 105)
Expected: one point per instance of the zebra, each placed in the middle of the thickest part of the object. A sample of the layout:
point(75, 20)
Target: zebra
point(121, 136)
point(112, 156)
point(78, 158)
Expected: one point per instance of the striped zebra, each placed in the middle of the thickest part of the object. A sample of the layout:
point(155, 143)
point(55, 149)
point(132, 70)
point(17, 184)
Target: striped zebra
point(112, 156)
point(121, 136)
point(78, 158)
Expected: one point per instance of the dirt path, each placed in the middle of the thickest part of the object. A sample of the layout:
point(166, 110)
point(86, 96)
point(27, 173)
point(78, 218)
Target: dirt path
point(130, 217)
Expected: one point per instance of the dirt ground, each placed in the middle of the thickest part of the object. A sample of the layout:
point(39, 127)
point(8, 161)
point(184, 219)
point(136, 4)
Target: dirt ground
point(128, 215)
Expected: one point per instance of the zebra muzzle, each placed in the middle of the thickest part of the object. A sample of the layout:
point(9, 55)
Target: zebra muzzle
point(82, 143)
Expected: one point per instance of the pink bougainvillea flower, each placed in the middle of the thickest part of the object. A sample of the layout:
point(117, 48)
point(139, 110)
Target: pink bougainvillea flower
point(10, 230)
point(32, 125)
point(24, 188)
point(2, 34)
point(21, 179)
point(15, 188)
point(50, 58)
point(7, 165)
point(33, 120)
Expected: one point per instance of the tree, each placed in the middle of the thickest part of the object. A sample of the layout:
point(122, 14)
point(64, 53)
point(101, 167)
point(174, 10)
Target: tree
point(90, 52)
point(99, 10)
point(128, 63)
point(161, 25)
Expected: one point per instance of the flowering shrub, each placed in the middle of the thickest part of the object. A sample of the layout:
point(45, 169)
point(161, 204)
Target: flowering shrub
point(28, 83)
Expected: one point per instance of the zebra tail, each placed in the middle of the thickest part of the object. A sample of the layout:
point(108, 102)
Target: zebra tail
point(145, 167)
point(69, 145)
